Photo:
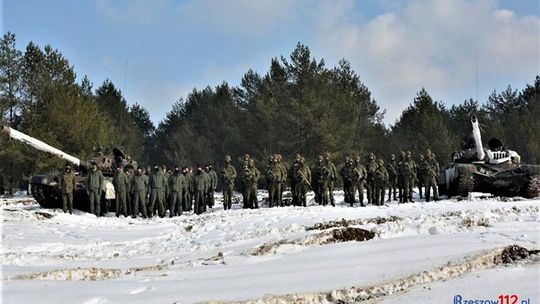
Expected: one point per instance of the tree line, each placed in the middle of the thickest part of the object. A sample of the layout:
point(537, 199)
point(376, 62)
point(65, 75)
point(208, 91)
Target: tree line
point(300, 105)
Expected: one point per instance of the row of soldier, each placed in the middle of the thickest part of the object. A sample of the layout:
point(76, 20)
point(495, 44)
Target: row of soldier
point(149, 192)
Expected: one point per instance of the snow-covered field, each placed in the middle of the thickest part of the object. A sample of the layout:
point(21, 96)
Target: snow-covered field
point(412, 253)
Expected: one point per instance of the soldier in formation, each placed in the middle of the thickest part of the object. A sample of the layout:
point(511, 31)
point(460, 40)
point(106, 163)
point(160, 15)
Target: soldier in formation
point(371, 168)
point(347, 174)
point(332, 178)
point(430, 169)
point(120, 183)
point(67, 185)
point(359, 180)
point(228, 175)
point(321, 178)
point(391, 168)
point(94, 186)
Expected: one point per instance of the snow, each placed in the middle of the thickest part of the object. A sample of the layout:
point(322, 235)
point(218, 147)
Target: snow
point(47, 255)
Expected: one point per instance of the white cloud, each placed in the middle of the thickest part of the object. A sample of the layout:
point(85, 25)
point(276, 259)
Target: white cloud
point(431, 44)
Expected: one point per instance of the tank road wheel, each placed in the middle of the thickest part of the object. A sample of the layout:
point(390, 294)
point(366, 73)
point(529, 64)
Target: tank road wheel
point(465, 185)
point(533, 189)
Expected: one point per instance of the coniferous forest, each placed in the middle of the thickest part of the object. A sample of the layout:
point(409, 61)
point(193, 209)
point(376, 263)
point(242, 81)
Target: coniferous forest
point(300, 105)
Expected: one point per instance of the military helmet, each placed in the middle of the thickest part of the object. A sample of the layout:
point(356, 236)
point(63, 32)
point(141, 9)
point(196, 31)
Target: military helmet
point(409, 153)
point(347, 159)
point(227, 158)
point(320, 158)
point(402, 154)
point(428, 151)
point(358, 160)
point(371, 156)
point(380, 161)
point(392, 156)
point(422, 156)
point(271, 158)
point(327, 155)
point(297, 156)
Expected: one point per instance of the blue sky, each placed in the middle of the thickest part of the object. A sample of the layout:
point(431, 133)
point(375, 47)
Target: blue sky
point(396, 47)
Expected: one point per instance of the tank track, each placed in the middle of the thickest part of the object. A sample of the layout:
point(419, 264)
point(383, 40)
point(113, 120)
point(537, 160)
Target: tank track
point(465, 185)
point(533, 189)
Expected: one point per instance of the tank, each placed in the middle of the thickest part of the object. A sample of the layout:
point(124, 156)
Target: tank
point(45, 188)
point(492, 169)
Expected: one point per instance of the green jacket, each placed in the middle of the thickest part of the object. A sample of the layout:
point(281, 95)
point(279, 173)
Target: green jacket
point(139, 183)
point(213, 178)
point(157, 180)
point(94, 181)
point(120, 181)
point(200, 181)
point(177, 182)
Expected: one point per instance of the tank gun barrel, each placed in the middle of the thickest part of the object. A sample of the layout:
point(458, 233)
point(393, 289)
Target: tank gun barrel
point(39, 145)
point(477, 138)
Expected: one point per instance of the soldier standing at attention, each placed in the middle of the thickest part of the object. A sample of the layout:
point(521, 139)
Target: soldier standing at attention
point(94, 183)
point(176, 186)
point(214, 180)
point(359, 180)
point(320, 181)
point(128, 170)
point(228, 175)
point(391, 168)
point(166, 191)
point(431, 168)
point(67, 185)
point(419, 174)
point(347, 173)
point(120, 182)
point(291, 173)
point(253, 189)
point(371, 167)
point(401, 176)
point(283, 178)
point(332, 178)
point(208, 190)
point(139, 187)
point(157, 185)
point(409, 176)
point(200, 185)
point(381, 180)
point(303, 176)
point(272, 175)
point(186, 203)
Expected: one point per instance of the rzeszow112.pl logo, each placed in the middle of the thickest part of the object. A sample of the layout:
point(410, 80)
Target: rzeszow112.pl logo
point(501, 299)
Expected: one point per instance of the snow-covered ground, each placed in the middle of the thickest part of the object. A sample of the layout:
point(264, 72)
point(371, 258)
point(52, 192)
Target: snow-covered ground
point(419, 253)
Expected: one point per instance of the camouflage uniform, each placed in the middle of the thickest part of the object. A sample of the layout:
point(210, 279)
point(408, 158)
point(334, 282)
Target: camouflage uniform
point(413, 178)
point(320, 181)
point(347, 174)
point(359, 180)
point(431, 171)
point(120, 182)
point(291, 173)
point(302, 176)
point(94, 184)
point(67, 185)
point(381, 180)
point(248, 180)
point(371, 167)
point(401, 176)
point(254, 202)
point(408, 177)
point(420, 174)
point(228, 175)
point(331, 178)
point(282, 180)
point(392, 177)
point(273, 177)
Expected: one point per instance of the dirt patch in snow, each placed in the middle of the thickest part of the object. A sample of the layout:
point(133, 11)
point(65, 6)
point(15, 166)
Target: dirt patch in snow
point(353, 222)
point(490, 259)
point(329, 236)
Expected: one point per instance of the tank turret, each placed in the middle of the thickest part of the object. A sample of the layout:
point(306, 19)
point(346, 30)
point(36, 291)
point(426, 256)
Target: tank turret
point(494, 169)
